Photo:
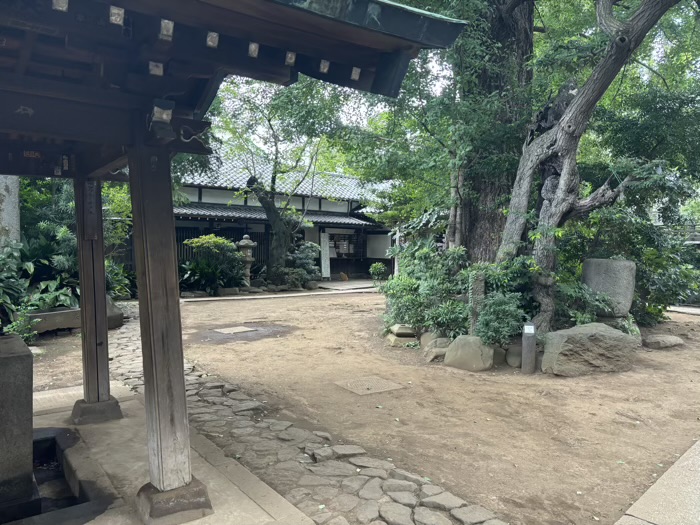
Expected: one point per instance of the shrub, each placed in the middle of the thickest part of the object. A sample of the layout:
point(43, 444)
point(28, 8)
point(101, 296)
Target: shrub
point(216, 263)
point(448, 319)
point(405, 304)
point(12, 286)
point(577, 304)
point(118, 282)
point(500, 319)
point(378, 271)
point(302, 259)
point(23, 326)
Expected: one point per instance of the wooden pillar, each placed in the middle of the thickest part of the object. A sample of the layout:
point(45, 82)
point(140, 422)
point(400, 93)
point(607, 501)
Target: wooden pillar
point(159, 304)
point(93, 291)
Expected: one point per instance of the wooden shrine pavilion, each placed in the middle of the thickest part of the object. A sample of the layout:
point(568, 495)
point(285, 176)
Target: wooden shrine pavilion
point(87, 86)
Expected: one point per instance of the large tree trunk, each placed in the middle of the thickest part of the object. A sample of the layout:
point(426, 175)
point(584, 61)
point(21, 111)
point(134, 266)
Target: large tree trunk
point(557, 148)
point(9, 209)
point(280, 235)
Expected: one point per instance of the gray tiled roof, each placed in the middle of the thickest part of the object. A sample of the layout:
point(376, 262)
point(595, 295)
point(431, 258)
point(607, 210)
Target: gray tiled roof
point(222, 211)
point(233, 174)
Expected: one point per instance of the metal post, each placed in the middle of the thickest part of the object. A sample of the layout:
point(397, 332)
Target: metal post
point(529, 363)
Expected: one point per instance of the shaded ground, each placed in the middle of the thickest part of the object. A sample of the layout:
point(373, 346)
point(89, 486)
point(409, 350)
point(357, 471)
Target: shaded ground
point(538, 449)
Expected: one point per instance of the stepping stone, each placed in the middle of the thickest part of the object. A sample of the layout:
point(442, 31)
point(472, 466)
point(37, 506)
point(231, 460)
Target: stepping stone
point(297, 495)
point(443, 501)
point(395, 514)
point(423, 516)
point(472, 515)
point(333, 468)
point(365, 462)
point(321, 519)
point(374, 473)
point(367, 511)
point(322, 435)
point(353, 484)
point(404, 498)
point(325, 493)
point(338, 521)
point(372, 490)
point(430, 490)
point(408, 476)
point(278, 426)
point(315, 481)
point(399, 485)
point(323, 454)
point(344, 503)
point(347, 451)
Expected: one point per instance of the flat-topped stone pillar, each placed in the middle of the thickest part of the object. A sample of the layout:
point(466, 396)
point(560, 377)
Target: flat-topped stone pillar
point(17, 498)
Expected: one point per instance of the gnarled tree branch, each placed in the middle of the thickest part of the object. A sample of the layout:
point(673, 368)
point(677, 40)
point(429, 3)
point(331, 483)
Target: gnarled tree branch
point(603, 196)
point(607, 21)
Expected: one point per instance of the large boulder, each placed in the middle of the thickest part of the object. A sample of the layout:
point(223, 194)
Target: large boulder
point(614, 277)
point(468, 352)
point(588, 349)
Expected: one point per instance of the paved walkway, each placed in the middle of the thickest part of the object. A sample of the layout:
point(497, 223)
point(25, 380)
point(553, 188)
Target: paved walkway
point(333, 483)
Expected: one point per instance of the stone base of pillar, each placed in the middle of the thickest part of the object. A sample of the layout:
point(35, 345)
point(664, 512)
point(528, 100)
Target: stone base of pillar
point(87, 413)
point(22, 508)
point(173, 507)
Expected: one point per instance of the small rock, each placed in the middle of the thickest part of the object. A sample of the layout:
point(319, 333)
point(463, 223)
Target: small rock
point(472, 515)
point(443, 501)
point(424, 516)
point(514, 356)
point(430, 490)
point(294, 434)
point(468, 352)
point(321, 519)
point(367, 511)
point(399, 485)
point(372, 463)
point(404, 498)
point(347, 451)
point(395, 514)
point(402, 330)
point(658, 342)
point(353, 484)
point(322, 435)
point(372, 490)
point(278, 426)
point(213, 385)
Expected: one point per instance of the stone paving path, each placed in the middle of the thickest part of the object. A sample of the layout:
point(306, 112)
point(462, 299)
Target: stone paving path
point(334, 484)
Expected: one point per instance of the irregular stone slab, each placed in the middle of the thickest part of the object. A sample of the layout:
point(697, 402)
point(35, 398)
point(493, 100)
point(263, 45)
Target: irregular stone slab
point(658, 342)
point(347, 451)
point(297, 495)
point(278, 426)
point(398, 473)
point(338, 521)
point(321, 519)
point(374, 473)
point(367, 511)
point(333, 468)
point(372, 489)
point(213, 385)
point(323, 454)
point(343, 503)
point(238, 396)
point(311, 508)
point(615, 278)
point(244, 406)
point(402, 330)
point(325, 493)
point(294, 434)
point(378, 523)
point(404, 498)
point(430, 490)
point(310, 448)
point(395, 514)
point(472, 515)
point(372, 463)
point(322, 435)
point(588, 349)
point(443, 501)
point(315, 481)
point(353, 484)
point(399, 485)
point(423, 516)
point(467, 352)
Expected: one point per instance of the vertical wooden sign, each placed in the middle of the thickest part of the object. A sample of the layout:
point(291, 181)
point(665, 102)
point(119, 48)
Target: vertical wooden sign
point(325, 256)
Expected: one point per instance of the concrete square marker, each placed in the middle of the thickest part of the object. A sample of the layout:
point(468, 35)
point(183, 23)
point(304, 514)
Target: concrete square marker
point(368, 385)
point(235, 330)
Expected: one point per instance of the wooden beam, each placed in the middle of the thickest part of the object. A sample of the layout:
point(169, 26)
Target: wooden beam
point(39, 115)
point(159, 307)
point(93, 290)
point(390, 73)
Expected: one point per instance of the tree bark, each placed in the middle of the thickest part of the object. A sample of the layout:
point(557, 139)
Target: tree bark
point(9, 209)
point(560, 190)
point(280, 235)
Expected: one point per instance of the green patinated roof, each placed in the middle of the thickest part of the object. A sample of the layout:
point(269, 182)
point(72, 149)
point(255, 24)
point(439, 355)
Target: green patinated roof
point(421, 12)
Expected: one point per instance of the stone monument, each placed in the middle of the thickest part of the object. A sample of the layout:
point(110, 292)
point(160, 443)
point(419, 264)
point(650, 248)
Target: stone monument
point(614, 277)
point(18, 494)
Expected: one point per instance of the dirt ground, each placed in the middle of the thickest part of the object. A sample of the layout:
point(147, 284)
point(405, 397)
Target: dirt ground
point(537, 450)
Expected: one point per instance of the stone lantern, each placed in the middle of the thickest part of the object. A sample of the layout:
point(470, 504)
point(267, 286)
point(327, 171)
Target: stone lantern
point(246, 246)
